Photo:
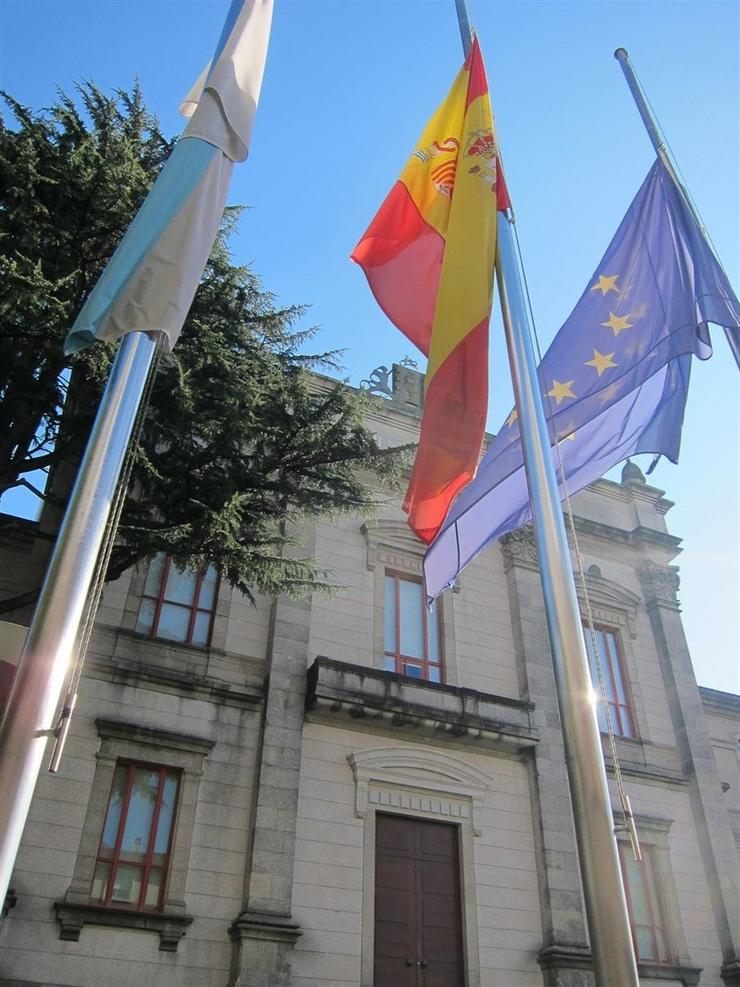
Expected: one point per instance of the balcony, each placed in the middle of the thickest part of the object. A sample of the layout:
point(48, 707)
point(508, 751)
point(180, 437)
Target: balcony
point(369, 699)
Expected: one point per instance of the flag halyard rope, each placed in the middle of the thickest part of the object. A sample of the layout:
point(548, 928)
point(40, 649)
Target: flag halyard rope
point(628, 823)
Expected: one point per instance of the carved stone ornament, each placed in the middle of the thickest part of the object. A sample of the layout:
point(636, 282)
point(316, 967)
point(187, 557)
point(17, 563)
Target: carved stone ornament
point(419, 780)
point(379, 382)
point(519, 548)
point(393, 544)
point(660, 584)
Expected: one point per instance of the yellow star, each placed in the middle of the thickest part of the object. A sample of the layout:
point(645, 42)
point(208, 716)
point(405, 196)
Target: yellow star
point(568, 438)
point(617, 323)
point(606, 284)
point(601, 362)
point(560, 391)
point(512, 418)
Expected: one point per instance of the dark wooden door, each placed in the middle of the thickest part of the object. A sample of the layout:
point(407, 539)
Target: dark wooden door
point(418, 928)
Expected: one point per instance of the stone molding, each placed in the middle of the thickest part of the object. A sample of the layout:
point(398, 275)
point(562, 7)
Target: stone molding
point(610, 603)
point(392, 545)
point(418, 779)
point(141, 734)
point(730, 973)
point(180, 682)
point(566, 965)
point(73, 916)
point(660, 584)
point(265, 926)
point(687, 975)
point(519, 547)
point(392, 539)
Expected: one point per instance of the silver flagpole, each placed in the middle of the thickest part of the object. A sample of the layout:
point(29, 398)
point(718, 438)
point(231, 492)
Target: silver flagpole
point(656, 138)
point(45, 660)
point(606, 906)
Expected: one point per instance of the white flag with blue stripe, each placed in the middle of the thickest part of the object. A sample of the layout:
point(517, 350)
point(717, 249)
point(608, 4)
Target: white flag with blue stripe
point(151, 279)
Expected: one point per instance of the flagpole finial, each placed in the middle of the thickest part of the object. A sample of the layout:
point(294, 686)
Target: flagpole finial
point(621, 54)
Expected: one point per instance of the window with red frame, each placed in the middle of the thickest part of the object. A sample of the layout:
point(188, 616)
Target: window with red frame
point(412, 632)
point(134, 852)
point(645, 905)
point(617, 696)
point(178, 604)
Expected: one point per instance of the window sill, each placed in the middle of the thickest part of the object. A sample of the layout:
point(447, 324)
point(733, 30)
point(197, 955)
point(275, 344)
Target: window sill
point(687, 975)
point(72, 916)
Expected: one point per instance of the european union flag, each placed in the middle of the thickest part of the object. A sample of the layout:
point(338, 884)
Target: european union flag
point(614, 380)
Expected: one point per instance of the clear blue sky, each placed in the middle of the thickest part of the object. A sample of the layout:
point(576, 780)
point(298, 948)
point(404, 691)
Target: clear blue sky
point(347, 89)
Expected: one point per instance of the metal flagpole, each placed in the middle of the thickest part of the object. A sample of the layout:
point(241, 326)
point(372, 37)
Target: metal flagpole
point(44, 663)
point(606, 906)
point(656, 138)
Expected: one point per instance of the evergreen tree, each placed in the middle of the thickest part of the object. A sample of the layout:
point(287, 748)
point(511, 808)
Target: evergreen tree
point(242, 437)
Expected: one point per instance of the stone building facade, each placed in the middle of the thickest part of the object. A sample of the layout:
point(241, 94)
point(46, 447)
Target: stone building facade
point(352, 791)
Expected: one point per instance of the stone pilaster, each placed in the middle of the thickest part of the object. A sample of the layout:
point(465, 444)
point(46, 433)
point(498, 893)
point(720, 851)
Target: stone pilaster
point(264, 933)
point(660, 587)
point(565, 957)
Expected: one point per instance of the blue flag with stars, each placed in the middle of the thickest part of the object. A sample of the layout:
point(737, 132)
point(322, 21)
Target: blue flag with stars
point(615, 378)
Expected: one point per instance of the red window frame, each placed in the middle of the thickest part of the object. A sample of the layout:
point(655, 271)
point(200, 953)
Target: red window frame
point(657, 926)
point(113, 860)
point(613, 667)
point(160, 599)
point(424, 663)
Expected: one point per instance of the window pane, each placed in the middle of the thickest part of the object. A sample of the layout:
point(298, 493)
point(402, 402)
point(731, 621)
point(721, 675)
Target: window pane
point(173, 622)
point(413, 670)
point(412, 631)
point(153, 888)
point(663, 954)
point(164, 824)
point(180, 585)
point(100, 882)
point(389, 664)
point(645, 944)
point(154, 575)
point(638, 892)
point(145, 620)
point(113, 815)
point(434, 675)
point(127, 884)
point(201, 627)
point(610, 643)
point(433, 633)
point(390, 614)
point(208, 589)
point(139, 816)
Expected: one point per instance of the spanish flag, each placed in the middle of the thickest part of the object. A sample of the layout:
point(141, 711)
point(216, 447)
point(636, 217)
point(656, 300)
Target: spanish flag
point(429, 257)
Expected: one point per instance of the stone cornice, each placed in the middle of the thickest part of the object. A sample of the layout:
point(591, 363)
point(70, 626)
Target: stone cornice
point(639, 537)
point(168, 739)
point(519, 546)
point(186, 684)
point(727, 703)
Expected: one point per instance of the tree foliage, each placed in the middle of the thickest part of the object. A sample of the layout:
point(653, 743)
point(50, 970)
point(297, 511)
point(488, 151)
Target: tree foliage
point(241, 438)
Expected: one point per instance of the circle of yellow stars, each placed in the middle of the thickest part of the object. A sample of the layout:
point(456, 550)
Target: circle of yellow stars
point(601, 362)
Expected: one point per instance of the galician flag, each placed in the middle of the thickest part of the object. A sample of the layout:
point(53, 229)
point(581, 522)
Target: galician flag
point(429, 257)
point(151, 279)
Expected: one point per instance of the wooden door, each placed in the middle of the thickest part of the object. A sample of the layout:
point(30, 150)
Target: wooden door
point(418, 928)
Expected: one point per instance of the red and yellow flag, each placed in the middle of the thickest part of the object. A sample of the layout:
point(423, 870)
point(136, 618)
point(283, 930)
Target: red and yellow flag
point(429, 256)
